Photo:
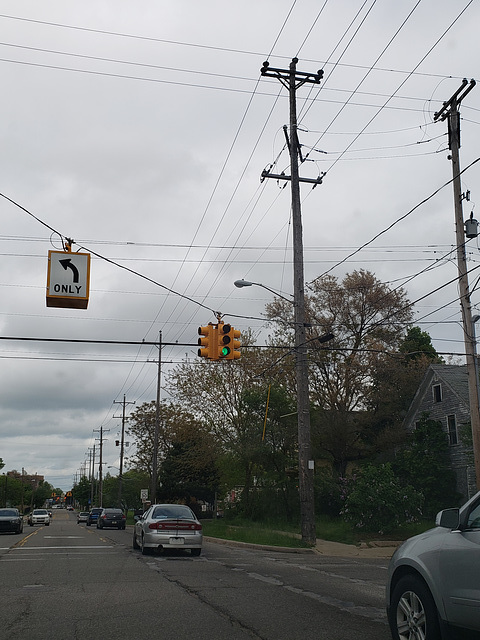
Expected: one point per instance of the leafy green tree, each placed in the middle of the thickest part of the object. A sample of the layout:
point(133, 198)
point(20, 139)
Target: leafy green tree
point(367, 318)
point(41, 494)
point(141, 426)
point(10, 491)
point(274, 453)
point(230, 399)
point(424, 463)
point(179, 428)
point(417, 345)
point(133, 481)
point(82, 492)
point(395, 382)
point(186, 475)
point(379, 502)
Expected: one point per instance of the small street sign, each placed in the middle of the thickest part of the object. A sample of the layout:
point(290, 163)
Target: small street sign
point(143, 495)
point(68, 279)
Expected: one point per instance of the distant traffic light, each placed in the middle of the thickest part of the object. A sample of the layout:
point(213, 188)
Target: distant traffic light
point(207, 344)
point(228, 342)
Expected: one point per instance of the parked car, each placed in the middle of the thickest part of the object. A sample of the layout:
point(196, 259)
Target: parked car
point(39, 516)
point(93, 515)
point(82, 516)
point(168, 526)
point(11, 520)
point(433, 587)
point(111, 518)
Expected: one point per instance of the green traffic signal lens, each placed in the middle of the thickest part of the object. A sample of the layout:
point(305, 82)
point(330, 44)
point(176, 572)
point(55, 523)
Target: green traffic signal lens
point(225, 351)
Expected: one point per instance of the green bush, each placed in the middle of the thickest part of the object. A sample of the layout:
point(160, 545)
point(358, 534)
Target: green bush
point(377, 501)
point(329, 492)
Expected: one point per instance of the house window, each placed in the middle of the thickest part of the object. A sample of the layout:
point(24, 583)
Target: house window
point(452, 430)
point(437, 392)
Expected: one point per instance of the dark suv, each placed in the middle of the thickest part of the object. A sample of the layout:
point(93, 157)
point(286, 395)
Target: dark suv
point(111, 518)
point(93, 515)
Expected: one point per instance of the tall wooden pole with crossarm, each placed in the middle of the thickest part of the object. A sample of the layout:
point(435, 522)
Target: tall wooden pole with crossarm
point(450, 112)
point(292, 79)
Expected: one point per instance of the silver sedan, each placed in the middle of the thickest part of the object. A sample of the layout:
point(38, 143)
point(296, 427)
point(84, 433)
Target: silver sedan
point(168, 526)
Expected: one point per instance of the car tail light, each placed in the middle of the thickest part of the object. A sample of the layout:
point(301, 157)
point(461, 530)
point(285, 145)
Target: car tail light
point(104, 517)
point(169, 525)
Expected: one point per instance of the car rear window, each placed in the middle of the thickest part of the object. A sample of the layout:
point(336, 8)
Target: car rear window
point(173, 511)
point(8, 512)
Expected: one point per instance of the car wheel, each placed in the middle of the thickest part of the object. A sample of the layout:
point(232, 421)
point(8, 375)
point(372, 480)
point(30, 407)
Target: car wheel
point(413, 613)
point(195, 552)
point(47, 524)
point(88, 524)
point(135, 544)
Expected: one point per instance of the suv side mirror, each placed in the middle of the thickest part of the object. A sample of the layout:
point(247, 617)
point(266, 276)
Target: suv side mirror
point(448, 518)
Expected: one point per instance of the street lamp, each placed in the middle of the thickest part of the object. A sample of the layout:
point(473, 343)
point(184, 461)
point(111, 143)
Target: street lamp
point(246, 283)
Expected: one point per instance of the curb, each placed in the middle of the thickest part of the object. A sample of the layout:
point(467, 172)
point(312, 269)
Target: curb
point(251, 545)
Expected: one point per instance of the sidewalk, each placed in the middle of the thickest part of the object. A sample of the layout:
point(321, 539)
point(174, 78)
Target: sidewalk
point(374, 549)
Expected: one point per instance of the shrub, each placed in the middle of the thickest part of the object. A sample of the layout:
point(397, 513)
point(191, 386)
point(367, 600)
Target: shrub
point(377, 501)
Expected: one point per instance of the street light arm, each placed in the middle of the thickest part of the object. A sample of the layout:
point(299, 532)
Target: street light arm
point(246, 283)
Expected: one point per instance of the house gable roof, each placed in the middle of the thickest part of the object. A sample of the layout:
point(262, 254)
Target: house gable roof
point(454, 377)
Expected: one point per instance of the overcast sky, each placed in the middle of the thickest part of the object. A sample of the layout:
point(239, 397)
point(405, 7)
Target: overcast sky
point(141, 130)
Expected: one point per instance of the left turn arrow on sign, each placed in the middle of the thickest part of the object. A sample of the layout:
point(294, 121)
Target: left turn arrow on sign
point(68, 279)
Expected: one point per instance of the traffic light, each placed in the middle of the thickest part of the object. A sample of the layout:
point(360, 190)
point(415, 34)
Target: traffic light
point(228, 342)
point(207, 342)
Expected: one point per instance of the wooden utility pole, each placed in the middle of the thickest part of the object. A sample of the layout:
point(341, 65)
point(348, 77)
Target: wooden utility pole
point(450, 112)
point(122, 449)
point(100, 465)
point(91, 473)
point(292, 79)
point(153, 488)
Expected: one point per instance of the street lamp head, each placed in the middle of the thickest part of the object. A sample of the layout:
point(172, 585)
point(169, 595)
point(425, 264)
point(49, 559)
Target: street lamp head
point(242, 283)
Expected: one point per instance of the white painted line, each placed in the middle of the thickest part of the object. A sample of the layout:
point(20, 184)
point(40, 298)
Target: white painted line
point(103, 546)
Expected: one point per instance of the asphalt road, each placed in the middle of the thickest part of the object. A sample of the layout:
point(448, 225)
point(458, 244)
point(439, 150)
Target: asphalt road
point(69, 581)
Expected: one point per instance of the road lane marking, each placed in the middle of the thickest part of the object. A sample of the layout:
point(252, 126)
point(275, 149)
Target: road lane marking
point(63, 537)
point(102, 546)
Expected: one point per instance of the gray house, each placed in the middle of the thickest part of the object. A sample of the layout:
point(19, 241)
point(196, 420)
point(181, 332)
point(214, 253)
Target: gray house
point(443, 394)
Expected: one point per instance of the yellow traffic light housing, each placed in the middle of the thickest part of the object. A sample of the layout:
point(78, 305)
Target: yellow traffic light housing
point(228, 342)
point(208, 343)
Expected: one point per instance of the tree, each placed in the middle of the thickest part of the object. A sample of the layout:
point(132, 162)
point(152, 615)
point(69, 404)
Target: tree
point(82, 492)
point(230, 399)
point(177, 426)
point(417, 345)
point(395, 382)
point(133, 481)
point(367, 318)
point(141, 426)
point(41, 494)
point(424, 464)
point(378, 502)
